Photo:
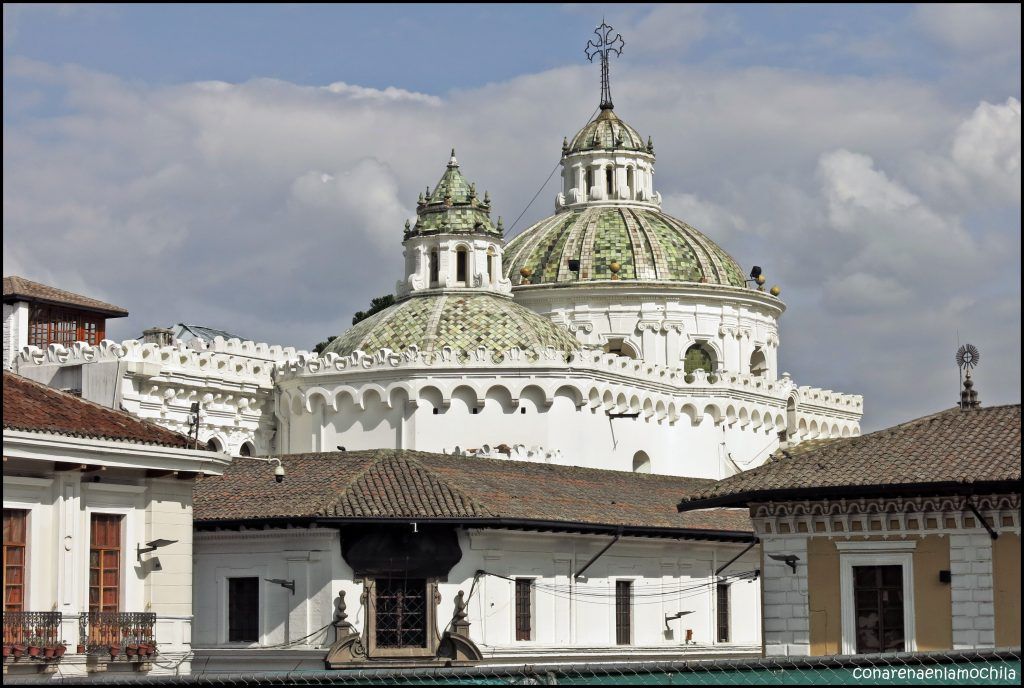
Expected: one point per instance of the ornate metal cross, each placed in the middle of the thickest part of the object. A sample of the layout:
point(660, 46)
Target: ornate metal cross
point(605, 45)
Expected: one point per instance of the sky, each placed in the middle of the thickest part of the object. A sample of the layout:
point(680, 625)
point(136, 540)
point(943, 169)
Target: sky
point(251, 167)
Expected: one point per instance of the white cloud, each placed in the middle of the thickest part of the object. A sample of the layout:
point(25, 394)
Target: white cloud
point(988, 146)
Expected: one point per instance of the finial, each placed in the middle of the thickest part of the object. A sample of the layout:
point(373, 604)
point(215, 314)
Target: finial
point(472, 190)
point(565, 145)
point(487, 197)
point(408, 225)
point(967, 357)
point(501, 224)
point(614, 267)
point(428, 192)
point(420, 200)
point(452, 162)
point(604, 45)
point(650, 145)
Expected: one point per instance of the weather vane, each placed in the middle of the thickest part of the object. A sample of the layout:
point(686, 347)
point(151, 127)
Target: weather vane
point(967, 357)
point(605, 45)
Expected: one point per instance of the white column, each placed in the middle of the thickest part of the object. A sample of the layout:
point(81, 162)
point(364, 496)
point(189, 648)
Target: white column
point(786, 619)
point(970, 562)
point(72, 553)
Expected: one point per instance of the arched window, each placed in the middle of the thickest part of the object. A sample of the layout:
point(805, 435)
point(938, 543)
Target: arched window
point(641, 462)
point(490, 266)
point(214, 445)
point(461, 264)
point(791, 417)
point(435, 267)
point(590, 181)
point(631, 182)
point(246, 449)
point(758, 363)
point(699, 356)
point(609, 181)
point(620, 347)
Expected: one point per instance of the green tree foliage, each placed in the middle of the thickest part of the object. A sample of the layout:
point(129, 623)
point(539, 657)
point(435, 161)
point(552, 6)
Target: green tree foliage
point(377, 304)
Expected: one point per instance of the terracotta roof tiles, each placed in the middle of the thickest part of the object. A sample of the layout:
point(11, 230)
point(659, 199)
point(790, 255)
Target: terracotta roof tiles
point(21, 289)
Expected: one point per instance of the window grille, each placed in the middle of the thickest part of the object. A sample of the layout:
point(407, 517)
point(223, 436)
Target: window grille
point(401, 612)
point(723, 612)
point(623, 612)
point(524, 611)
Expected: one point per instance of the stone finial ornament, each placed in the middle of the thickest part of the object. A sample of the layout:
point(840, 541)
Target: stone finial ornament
point(614, 267)
point(775, 290)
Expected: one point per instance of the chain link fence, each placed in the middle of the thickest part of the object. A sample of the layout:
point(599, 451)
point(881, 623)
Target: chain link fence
point(993, 667)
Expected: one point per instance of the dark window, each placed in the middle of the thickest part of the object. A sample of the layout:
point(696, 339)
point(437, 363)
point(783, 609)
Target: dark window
point(54, 325)
point(243, 610)
point(490, 268)
point(623, 611)
point(878, 601)
point(524, 611)
point(723, 612)
point(15, 532)
point(105, 563)
point(245, 449)
point(435, 268)
point(400, 609)
point(609, 177)
point(461, 264)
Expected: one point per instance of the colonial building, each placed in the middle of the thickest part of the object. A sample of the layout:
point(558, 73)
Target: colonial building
point(370, 557)
point(904, 539)
point(38, 315)
point(97, 536)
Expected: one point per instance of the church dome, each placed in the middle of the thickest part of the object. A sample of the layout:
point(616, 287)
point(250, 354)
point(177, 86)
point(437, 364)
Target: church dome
point(453, 207)
point(607, 132)
point(462, 321)
point(647, 244)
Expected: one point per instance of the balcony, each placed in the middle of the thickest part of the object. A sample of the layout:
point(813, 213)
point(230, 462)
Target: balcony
point(117, 635)
point(32, 636)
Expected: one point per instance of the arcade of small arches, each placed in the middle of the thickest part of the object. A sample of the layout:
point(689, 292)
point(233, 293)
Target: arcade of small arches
point(527, 398)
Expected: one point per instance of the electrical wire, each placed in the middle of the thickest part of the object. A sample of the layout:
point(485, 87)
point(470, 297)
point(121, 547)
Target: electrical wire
point(550, 174)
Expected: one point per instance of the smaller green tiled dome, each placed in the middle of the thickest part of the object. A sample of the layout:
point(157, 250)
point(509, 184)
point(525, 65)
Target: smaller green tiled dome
point(453, 207)
point(607, 132)
point(463, 322)
point(647, 244)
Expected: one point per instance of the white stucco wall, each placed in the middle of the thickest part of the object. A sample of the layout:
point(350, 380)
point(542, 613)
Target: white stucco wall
point(565, 624)
point(15, 330)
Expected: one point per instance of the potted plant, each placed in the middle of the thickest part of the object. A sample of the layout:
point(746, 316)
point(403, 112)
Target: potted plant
point(7, 651)
point(59, 649)
point(131, 650)
point(35, 647)
point(115, 650)
point(48, 651)
point(80, 649)
point(17, 650)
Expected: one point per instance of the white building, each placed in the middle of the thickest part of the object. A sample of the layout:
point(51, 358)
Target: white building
point(97, 536)
point(554, 563)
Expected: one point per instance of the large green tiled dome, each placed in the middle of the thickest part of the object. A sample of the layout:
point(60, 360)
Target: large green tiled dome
point(648, 245)
point(463, 322)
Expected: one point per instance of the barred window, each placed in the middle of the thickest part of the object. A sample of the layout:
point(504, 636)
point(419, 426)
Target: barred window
point(400, 609)
point(524, 609)
point(723, 612)
point(623, 612)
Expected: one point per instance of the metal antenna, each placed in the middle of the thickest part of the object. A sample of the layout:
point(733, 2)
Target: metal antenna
point(605, 45)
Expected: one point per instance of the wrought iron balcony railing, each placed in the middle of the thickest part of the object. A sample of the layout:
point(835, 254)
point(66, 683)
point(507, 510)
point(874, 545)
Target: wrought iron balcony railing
point(32, 629)
point(131, 632)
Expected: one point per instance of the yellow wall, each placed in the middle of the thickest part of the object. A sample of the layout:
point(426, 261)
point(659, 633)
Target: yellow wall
point(1006, 581)
point(932, 600)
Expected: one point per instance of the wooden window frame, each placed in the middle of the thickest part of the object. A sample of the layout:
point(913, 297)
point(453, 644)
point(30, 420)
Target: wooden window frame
point(875, 553)
point(9, 548)
point(118, 555)
point(433, 639)
point(50, 324)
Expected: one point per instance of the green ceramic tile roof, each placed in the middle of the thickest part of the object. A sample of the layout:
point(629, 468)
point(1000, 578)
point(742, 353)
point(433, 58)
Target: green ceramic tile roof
point(462, 322)
point(648, 244)
point(453, 207)
point(607, 131)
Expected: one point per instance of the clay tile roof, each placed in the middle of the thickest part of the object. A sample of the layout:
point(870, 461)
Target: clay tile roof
point(382, 484)
point(21, 289)
point(949, 451)
point(34, 407)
